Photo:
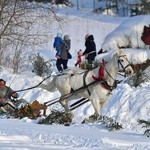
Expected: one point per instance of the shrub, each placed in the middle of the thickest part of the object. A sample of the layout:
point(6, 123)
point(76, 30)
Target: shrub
point(147, 133)
point(57, 118)
point(111, 124)
point(146, 124)
point(138, 78)
point(40, 66)
point(108, 122)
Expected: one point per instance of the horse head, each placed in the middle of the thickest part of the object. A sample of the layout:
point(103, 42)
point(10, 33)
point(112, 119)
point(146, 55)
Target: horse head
point(123, 63)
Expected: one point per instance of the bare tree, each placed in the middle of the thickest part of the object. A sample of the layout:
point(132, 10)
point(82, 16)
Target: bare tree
point(14, 27)
point(19, 31)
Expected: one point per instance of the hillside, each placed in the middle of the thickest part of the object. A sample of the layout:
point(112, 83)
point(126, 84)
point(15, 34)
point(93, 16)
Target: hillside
point(126, 105)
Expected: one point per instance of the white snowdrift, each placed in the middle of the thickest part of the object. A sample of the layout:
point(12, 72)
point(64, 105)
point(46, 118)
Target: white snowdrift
point(128, 34)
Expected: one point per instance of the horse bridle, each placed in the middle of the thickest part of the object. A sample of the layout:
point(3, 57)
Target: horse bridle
point(120, 63)
point(123, 70)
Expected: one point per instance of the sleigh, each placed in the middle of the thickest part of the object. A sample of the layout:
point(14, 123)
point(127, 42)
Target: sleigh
point(146, 35)
point(21, 108)
point(32, 111)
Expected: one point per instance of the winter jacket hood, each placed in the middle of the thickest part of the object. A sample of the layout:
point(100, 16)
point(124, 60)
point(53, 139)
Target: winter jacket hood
point(90, 38)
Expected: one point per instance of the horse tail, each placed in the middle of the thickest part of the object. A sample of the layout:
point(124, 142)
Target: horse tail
point(49, 85)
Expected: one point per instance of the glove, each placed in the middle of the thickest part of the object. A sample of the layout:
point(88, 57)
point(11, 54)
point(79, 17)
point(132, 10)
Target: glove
point(15, 95)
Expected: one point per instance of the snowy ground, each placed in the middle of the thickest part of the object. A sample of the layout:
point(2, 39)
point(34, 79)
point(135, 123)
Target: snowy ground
point(23, 134)
point(126, 106)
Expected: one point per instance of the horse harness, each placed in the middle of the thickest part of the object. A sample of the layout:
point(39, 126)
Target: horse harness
point(103, 81)
point(119, 63)
point(84, 82)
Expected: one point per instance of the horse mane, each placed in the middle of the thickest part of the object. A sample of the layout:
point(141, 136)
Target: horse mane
point(111, 70)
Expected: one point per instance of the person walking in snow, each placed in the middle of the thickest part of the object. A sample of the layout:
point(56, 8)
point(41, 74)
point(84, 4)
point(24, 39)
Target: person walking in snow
point(61, 63)
point(90, 51)
point(58, 42)
point(80, 59)
point(6, 95)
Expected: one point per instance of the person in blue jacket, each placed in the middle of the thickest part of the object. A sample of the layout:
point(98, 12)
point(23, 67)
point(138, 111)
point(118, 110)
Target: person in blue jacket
point(61, 63)
point(58, 42)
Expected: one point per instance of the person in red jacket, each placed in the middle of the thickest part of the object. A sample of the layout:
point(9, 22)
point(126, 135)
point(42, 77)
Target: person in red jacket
point(80, 59)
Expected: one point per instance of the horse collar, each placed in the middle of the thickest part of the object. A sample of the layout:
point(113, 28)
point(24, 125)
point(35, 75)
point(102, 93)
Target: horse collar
point(109, 87)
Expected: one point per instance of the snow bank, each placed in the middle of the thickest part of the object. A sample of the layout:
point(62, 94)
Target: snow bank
point(128, 34)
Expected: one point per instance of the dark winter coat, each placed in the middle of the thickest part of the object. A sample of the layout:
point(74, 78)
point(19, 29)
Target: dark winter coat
point(6, 93)
point(65, 49)
point(90, 50)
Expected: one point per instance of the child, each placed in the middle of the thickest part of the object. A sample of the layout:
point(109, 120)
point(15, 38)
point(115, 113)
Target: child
point(58, 42)
point(81, 58)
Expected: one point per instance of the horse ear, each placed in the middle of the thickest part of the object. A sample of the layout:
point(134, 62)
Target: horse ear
point(119, 51)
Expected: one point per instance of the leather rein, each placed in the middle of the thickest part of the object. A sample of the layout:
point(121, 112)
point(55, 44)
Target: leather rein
point(104, 82)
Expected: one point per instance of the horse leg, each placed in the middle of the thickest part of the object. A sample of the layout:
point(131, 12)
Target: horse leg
point(97, 107)
point(102, 104)
point(64, 104)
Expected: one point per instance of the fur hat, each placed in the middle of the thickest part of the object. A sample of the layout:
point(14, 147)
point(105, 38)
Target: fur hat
point(59, 34)
point(66, 37)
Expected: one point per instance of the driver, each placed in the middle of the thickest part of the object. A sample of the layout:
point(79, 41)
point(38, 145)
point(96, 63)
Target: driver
point(6, 96)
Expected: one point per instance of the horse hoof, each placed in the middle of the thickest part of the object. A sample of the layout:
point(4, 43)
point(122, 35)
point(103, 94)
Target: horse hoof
point(91, 119)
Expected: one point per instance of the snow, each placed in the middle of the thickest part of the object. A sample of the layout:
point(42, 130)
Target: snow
point(126, 106)
point(126, 32)
point(28, 135)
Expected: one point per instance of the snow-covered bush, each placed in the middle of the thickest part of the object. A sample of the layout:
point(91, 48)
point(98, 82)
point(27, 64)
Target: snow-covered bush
point(139, 78)
point(40, 66)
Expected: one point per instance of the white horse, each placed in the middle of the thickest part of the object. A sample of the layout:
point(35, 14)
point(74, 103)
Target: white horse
point(97, 93)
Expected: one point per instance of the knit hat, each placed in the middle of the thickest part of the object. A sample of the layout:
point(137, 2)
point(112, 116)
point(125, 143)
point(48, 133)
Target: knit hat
point(66, 37)
point(59, 34)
